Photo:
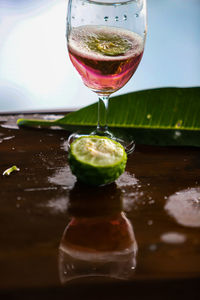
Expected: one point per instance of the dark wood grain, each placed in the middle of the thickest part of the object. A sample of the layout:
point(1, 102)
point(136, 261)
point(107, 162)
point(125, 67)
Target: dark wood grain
point(39, 202)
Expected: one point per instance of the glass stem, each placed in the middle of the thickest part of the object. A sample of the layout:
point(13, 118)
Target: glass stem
point(102, 127)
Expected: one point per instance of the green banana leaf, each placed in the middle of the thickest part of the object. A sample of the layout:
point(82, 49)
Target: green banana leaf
point(164, 116)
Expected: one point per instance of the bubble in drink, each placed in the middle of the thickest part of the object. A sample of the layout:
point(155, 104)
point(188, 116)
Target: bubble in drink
point(125, 17)
point(105, 57)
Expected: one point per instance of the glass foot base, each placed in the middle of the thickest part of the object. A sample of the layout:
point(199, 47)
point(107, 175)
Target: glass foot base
point(126, 141)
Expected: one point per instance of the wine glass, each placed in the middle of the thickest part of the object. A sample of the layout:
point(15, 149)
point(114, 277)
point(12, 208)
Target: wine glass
point(105, 40)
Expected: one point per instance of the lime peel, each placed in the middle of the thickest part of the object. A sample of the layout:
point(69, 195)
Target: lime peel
point(8, 171)
point(97, 160)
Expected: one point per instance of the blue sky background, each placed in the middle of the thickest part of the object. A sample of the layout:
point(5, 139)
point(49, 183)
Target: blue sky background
point(35, 70)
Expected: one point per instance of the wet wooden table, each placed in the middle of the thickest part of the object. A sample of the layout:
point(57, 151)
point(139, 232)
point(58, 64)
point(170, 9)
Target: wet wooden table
point(136, 238)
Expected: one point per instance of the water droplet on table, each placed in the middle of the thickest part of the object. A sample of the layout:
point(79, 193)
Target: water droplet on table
point(150, 222)
point(153, 247)
point(184, 207)
point(173, 238)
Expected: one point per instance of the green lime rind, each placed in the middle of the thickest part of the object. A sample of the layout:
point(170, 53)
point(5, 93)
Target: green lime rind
point(97, 171)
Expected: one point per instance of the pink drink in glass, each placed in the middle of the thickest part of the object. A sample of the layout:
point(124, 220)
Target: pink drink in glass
point(102, 72)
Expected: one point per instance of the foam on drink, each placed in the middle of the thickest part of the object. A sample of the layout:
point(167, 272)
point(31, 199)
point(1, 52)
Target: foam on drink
point(80, 38)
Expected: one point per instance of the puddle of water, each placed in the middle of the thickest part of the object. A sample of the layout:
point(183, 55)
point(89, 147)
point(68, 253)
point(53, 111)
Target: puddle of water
point(50, 117)
point(3, 118)
point(126, 180)
point(153, 247)
point(173, 238)
point(8, 126)
point(63, 177)
point(150, 222)
point(184, 207)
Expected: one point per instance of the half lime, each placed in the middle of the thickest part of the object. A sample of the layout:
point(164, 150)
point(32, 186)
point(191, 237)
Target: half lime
point(96, 160)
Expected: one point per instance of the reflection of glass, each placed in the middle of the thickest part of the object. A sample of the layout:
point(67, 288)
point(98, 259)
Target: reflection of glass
point(99, 244)
point(106, 43)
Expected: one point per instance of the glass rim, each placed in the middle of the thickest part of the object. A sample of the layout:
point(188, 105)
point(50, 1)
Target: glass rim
point(113, 2)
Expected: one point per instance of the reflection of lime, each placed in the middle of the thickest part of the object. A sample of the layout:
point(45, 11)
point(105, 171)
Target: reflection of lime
point(97, 160)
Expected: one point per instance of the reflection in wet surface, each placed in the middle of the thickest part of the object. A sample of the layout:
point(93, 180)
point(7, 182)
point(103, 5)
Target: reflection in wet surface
point(130, 187)
point(57, 206)
point(99, 240)
point(184, 207)
point(155, 197)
